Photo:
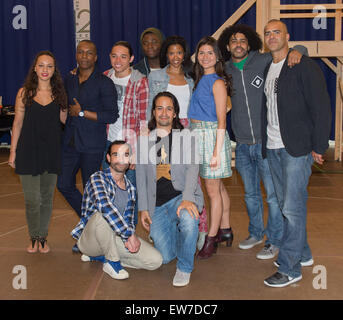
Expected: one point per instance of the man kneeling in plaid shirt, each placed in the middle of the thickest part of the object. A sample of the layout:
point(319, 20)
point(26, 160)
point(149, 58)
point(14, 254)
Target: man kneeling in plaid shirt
point(106, 231)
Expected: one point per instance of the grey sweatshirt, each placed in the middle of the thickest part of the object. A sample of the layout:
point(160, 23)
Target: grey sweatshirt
point(248, 85)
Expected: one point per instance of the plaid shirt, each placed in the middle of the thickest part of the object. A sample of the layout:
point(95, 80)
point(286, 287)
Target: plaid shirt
point(135, 105)
point(99, 195)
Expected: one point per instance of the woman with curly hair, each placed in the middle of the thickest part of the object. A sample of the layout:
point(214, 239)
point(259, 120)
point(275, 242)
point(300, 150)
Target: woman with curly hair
point(40, 107)
point(207, 113)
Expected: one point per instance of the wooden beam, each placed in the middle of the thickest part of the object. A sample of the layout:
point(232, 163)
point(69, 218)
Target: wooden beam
point(321, 48)
point(274, 11)
point(330, 65)
point(328, 6)
point(306, 15)
point(262, 15)
point(338, 23)
point(235, 17)
point(341, 86)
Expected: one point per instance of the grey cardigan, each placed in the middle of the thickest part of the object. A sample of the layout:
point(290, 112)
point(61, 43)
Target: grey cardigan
point(184, 177)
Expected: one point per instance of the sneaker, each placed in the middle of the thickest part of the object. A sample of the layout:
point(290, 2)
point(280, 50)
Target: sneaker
point(150, 239)
point(249, 243)
point(279, 280)
point(201, 240)
point(269, 251)
point(181, 279)
point(306, 263)
point(115, 270)
point(85, 258)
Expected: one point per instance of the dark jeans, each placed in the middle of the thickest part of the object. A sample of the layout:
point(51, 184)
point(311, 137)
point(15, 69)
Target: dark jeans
point(38, 195)
point(72, 161)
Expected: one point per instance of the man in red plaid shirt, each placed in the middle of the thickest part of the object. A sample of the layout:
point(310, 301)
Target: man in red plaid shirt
point(133, 94)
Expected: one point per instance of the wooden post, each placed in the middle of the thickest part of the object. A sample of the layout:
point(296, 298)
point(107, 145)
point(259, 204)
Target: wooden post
point(338, 23)
point(275, 9)
point(262, 15)
point(339, 93)
point(339, 114)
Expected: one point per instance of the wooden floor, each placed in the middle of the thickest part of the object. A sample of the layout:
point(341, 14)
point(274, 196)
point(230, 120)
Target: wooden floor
point(232, 274)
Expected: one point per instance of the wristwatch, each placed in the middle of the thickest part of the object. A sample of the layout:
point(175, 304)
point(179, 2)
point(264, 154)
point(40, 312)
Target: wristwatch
point(81, 114)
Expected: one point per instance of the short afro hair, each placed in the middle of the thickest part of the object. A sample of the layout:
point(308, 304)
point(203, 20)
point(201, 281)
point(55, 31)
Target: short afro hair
point(254, 40)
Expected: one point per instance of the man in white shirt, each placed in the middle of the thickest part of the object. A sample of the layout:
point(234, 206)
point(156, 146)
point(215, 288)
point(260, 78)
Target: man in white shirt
point(133, 93)
point(295, 132)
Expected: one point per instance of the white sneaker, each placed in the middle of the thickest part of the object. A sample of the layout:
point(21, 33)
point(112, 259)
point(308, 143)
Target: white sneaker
point(85, 258)
point(307, 263)
point(181, 279)
point(121, 275)
point(269, 251)
point(201, 240)
point(249, 243)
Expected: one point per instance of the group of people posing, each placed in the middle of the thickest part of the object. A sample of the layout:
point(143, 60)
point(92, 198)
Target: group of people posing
point(157, 127)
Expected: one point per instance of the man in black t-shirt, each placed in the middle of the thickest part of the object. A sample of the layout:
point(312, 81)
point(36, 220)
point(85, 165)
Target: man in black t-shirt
point(169, 196)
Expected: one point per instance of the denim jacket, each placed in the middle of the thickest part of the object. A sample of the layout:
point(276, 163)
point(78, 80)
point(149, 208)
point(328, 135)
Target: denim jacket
point(158, 82)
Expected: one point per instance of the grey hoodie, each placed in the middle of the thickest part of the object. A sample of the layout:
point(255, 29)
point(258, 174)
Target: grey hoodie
point(248, 85)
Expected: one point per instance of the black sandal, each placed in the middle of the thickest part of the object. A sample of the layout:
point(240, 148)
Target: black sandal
point(43, 242)
point(33, 244)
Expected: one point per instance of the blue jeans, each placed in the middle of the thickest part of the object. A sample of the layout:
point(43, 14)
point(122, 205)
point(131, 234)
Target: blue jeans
point(252, 168)
point(130, 174)
point(173, 236)
point(72, 161)
point(291, 176)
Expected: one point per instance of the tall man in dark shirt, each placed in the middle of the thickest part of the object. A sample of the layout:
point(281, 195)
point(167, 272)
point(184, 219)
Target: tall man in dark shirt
point(92, 105)
point(296, 119)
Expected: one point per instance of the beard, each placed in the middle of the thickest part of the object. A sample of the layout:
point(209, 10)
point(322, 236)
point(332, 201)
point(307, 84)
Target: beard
point(119, 167)
point(239, 55)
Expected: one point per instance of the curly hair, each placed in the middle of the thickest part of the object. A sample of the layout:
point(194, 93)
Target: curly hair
point(254, 40)
point(187, 63)
point(219, 67)
point(30, 86)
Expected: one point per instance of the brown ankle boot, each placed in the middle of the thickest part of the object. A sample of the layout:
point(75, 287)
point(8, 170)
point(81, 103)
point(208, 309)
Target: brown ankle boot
point(225, 235)
point(209, 248)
